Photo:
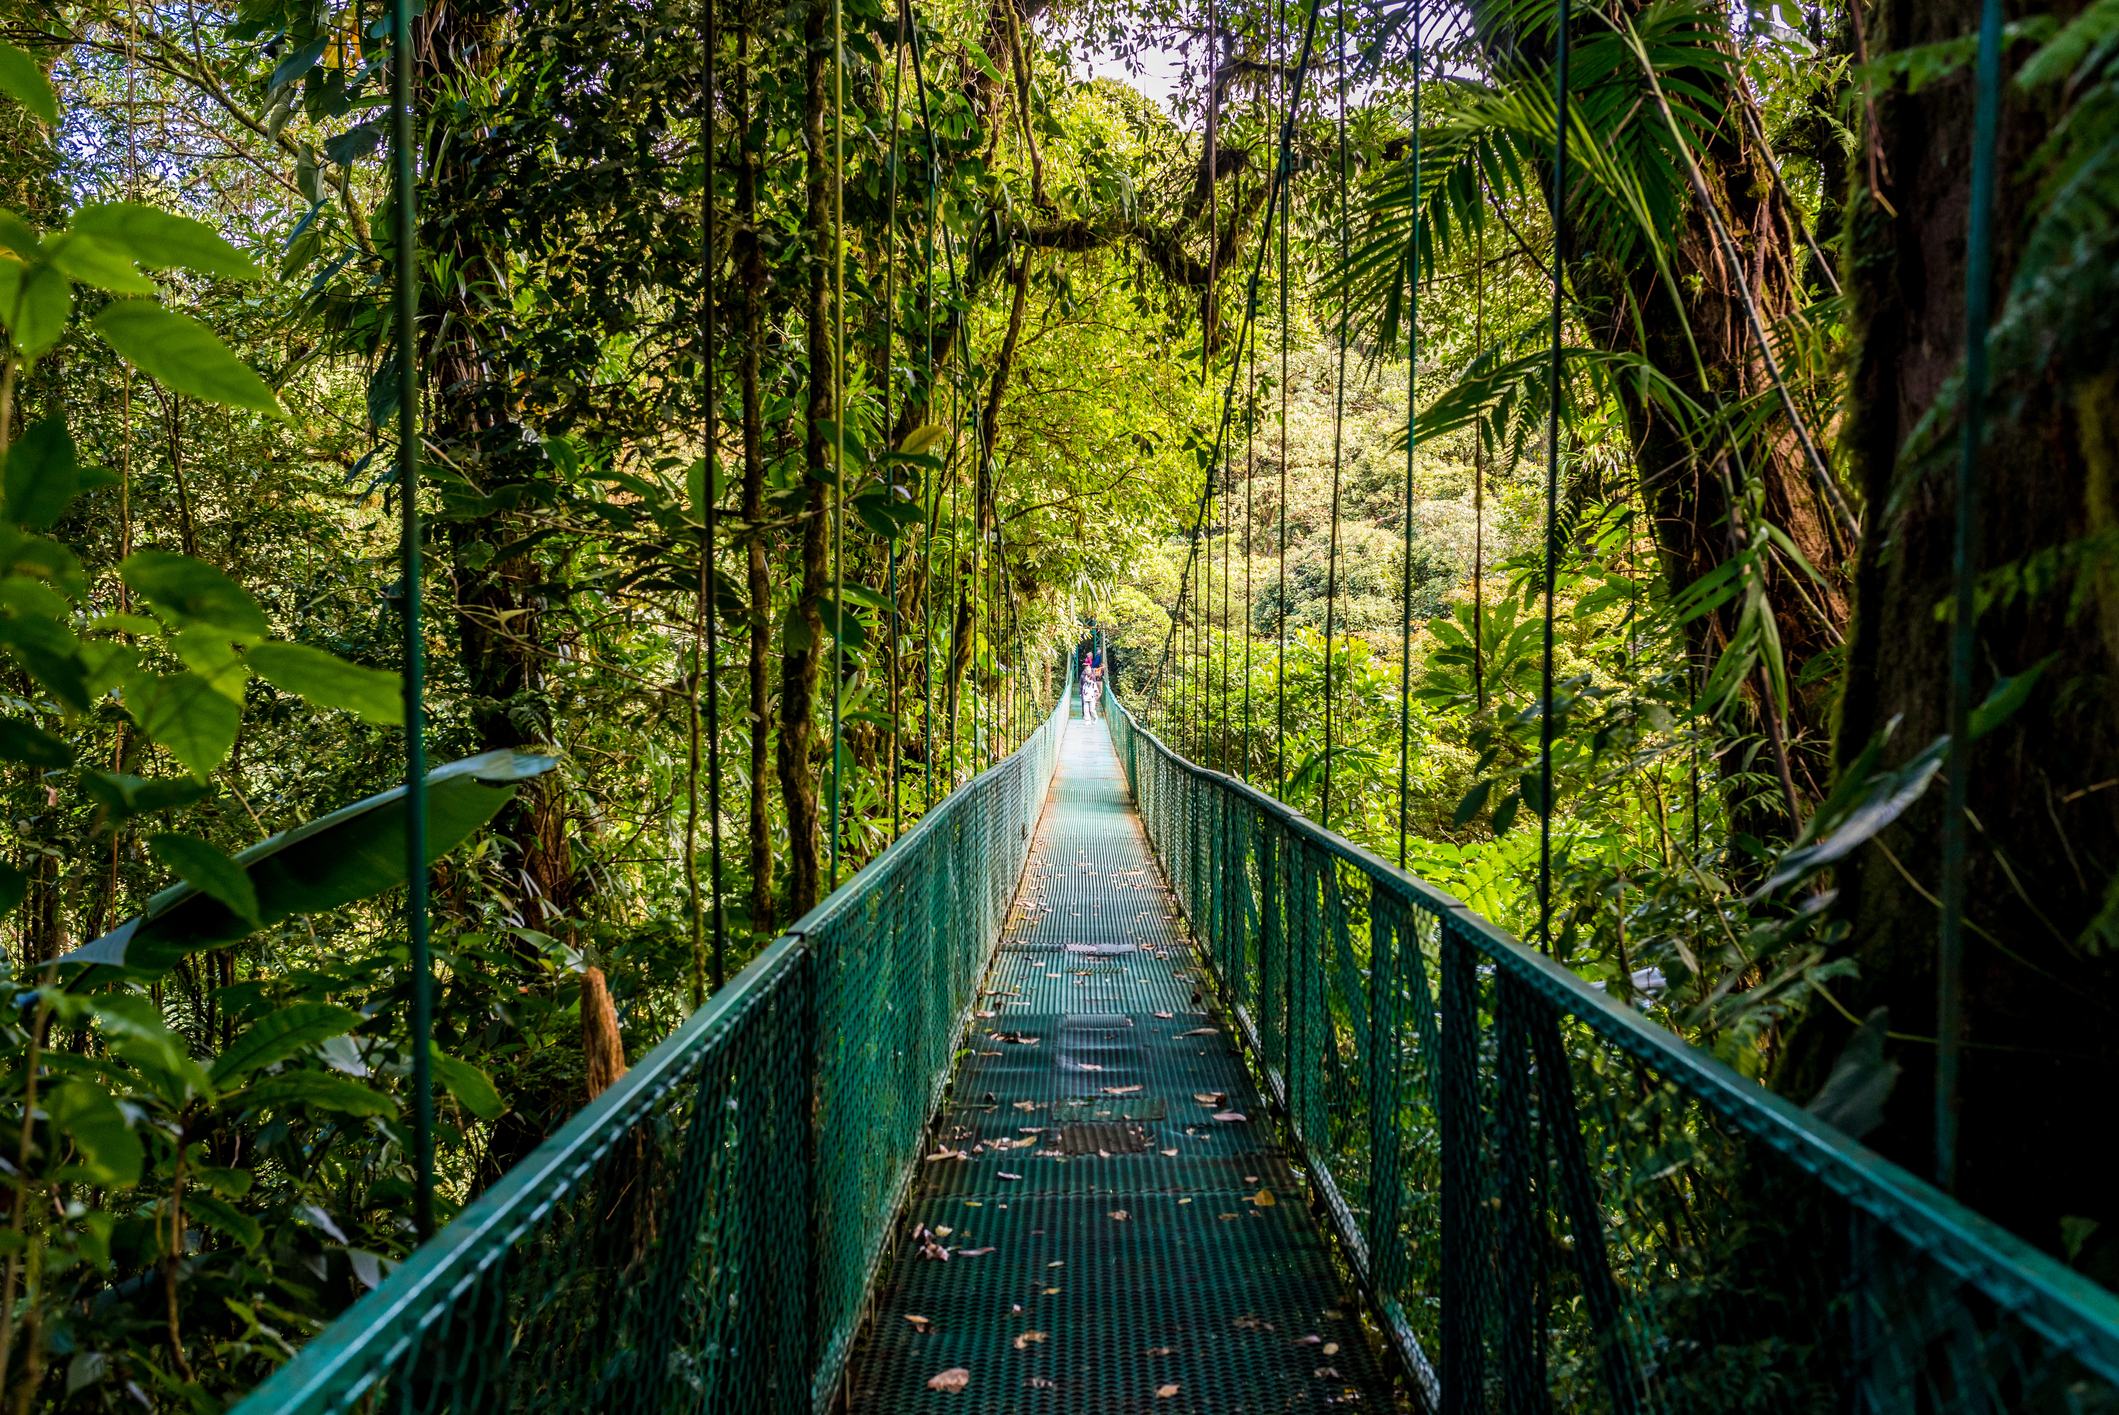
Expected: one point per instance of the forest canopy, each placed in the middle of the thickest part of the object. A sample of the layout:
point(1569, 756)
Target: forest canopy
point(799, 393)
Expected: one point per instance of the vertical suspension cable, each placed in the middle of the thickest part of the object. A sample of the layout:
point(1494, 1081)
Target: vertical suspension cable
point(1979, 257)
point(1285, 179)
point(1412, 443)
point(1331, 558)
point(1552, 480)
point(1479, 479)
point(919, 85)
point(1250, 484)
point(707, 608)
point(890, 321)
point(838, 408)
point(410, 583)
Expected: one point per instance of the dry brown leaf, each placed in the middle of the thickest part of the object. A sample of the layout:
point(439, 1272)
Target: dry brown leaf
point(1006, 1175)
point(1327, 1373)
point(1024, 1339)
point(1211, 1097)
point(1040, 1383)
point(1057, 1263)
point(1184, 1201)
point(1331, 1348)
point(1171, 1153)
point(952, 1380)
point(1052, 1292)
point(1166, 1391)
point(973, 1252)
point(1090, 1066)
point(1229, 1117)
point(1264, 1199)
point(1120, 1090)
point(1166, 1016)
point(920, 1322)
point(1308, 1340)
point(1161, 1351)
point(1202, 1032)
point(1120, 1214)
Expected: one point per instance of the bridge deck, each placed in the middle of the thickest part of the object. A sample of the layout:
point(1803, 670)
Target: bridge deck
point(1115, 1248)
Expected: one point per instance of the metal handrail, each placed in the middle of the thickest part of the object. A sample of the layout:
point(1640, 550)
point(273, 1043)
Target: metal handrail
point(406, 1334)
point(2073, 1316)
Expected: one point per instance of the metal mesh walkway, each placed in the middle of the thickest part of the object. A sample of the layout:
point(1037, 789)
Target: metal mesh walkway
point(1113, 1246)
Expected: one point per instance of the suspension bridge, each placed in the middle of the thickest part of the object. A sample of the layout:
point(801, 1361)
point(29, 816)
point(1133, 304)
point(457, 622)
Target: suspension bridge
point(1116, 1085)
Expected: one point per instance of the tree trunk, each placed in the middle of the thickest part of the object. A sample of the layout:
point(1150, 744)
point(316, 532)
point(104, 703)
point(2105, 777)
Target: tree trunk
point(804, 649)
point(2041, 991)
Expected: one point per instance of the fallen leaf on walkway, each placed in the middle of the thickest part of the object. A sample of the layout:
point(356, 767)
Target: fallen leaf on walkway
point(1331, 1348)
point(1226, 1217)
point(1120, 1090)
point(921, 1322)
point(1028, 1105)
point(1308, 1340)
point(987, 1014)
point(1327, 1373)
point(1029, 1129)
point(1230, 1116)
point(1006, 1175)
point(1171, 1153)
point(1090, 1066)
point(1024, 1339)
point(973, 1252)
point(945, 1232)
point(1197, 1032)
point(1211, 1097)
point(1248, 1322)
point(1120, 1214)
point(1052, 1292)
point(1040, 1383)
point(1165, 1392)
point(1166, 1016)
point(1263, 1198)
point(1057, 1263)
point(1161, 1351)
point(1182, 1201)
point(952, 1380)
point(945, 1155)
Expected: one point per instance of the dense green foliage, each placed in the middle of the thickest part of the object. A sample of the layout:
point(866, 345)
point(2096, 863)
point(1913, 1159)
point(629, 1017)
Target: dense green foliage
point(850, 394)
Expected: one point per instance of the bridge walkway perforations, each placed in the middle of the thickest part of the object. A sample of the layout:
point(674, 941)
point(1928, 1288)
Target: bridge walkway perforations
point(1115, 1248)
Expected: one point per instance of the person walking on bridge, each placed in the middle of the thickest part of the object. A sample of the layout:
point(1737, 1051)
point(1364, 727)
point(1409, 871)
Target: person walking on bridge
point(1092, 686)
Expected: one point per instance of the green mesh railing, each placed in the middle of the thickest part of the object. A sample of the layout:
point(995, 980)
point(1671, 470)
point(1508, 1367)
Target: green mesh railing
point(1553, 1203)
point(703, 1235)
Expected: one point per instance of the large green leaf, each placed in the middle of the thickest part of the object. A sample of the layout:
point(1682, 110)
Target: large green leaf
point(320, 1090)
point(87, 1118)
point(31, 745)
point(192, 592)
point(35, 301)
point(208, 871)
point(184, 354)
point(327, 681)
point(336, 859)
point(468, 1084)
point(279, 1035)
point(92, 262)
point(43, 474)
point(159, 239)
point(185, 713)
point(22, 79)
point(51, 654)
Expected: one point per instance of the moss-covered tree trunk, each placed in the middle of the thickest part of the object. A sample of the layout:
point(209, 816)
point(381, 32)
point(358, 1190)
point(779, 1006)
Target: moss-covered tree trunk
point(2041, 986)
